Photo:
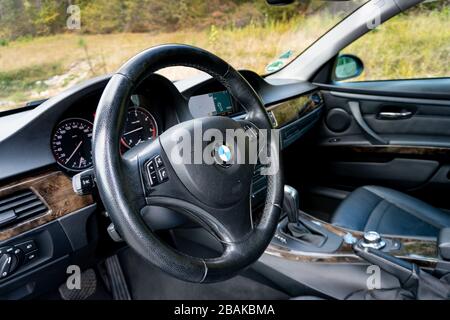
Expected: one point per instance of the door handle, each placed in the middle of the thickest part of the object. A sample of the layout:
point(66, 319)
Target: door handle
point(389, 115)
point(371, 135)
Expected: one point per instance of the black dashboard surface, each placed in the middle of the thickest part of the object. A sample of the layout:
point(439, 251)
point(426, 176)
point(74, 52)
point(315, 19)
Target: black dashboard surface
point(25, 137)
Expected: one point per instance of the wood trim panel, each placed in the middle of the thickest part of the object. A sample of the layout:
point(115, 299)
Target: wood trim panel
point(421, 251)
point(55, 189)
point(293, 109)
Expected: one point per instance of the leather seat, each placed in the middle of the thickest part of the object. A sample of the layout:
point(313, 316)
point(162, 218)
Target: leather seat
point(389, 212)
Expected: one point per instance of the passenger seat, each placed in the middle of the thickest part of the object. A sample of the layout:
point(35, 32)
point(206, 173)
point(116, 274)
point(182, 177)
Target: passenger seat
point(388, 211)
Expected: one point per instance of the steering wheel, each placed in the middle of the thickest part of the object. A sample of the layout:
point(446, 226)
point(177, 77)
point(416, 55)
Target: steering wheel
point(216, 196)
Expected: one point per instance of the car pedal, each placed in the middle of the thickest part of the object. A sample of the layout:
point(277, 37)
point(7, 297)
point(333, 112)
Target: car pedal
point(88, 285)
point(118, 284)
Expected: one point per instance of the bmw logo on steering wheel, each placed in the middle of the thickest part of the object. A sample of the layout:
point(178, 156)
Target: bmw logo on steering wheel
point(223, 155)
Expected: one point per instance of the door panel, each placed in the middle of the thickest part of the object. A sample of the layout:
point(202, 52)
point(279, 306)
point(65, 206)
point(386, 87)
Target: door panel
point(405, 173)
point(425, 124)
point(373, 133)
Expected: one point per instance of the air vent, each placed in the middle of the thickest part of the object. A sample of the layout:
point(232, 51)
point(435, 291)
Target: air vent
point(19, 206)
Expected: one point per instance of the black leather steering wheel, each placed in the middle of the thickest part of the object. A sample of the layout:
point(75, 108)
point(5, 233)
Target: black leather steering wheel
point(215, 196)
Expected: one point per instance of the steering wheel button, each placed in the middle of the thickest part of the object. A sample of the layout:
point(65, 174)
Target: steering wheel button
point(159, 162)
point(150, 166)
point(162, 173)
point(153, 178)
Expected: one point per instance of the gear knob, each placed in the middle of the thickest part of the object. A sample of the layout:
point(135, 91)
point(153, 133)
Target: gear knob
point(291, 203)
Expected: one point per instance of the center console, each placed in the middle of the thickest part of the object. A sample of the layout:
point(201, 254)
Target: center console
point(339, 262)
point(302, 237)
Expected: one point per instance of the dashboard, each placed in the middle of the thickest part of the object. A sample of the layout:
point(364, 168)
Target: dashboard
point(58, 132)
point(71, 140)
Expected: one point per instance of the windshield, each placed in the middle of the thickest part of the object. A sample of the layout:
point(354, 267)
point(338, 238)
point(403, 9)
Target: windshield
point(47, 46)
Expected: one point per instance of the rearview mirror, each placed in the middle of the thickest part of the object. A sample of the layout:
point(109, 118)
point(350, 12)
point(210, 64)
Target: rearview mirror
point(279, 2)
point(347, 66)
point(286, 2)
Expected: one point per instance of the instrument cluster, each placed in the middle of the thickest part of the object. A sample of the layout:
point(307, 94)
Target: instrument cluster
point(71, 141)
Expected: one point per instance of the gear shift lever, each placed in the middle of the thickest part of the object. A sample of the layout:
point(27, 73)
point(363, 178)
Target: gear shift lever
point(295, 227)
point(291, 203)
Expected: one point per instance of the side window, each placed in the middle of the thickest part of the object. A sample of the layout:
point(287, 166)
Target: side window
point(412, 45)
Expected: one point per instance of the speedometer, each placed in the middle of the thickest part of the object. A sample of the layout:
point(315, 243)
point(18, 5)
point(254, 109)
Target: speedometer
point(139, 127)
point(72, 144)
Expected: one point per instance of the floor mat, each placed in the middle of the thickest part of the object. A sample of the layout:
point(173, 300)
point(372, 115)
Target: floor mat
point(147, 282)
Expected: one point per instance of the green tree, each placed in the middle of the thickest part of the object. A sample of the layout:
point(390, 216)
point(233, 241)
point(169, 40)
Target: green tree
point(102, 16)
point(49, 16)
point(14, 21)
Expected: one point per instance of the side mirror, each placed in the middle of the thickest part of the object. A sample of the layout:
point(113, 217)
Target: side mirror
point(347, 66)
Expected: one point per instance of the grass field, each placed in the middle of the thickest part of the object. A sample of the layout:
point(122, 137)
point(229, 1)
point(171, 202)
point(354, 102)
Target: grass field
point(406, 47)
point(40, 67)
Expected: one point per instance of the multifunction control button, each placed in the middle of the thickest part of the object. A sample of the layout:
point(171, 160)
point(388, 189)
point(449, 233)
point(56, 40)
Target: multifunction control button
point(27, 246)
point(31, 256)
point(162, 174)
point(158, 161)
point(83, 183)
point(156, 171)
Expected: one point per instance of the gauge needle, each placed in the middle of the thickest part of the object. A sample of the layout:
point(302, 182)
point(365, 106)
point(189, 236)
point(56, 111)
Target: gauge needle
point(76, 149)
point(140, 128)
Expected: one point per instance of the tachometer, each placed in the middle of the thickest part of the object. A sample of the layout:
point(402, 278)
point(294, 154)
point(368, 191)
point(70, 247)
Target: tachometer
point(72, 144)
point(140, 126)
